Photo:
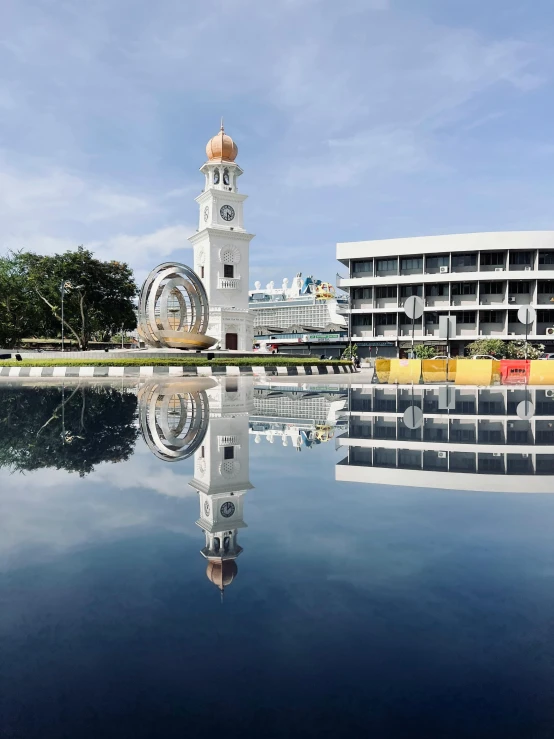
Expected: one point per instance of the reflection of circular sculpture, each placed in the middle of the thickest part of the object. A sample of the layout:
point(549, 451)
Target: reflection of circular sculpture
point(173, 420)
point(173, 309)
point(229, 255)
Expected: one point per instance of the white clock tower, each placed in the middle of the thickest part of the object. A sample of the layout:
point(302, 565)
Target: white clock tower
point(222, 245)
point(222, 476)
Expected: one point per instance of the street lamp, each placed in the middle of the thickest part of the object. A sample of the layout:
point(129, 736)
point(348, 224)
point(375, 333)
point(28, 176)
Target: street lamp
point(66, 286)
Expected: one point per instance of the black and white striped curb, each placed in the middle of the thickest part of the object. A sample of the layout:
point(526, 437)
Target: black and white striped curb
point(78, 372)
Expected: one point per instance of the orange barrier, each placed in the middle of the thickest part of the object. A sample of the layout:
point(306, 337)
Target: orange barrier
point(405, 371)
point(541, 372)
point(382, 370)
point(434, 370)
point(515, 371)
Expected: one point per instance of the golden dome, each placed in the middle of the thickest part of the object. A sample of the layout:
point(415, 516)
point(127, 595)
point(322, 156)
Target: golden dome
point(222, 573)
point(221, 148)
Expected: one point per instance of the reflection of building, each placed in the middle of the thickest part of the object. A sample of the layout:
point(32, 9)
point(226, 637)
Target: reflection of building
point(476, 435)
point(221, 477)
point(174, 417)
point(480, 278)
point(297, 416)
point(222, 245)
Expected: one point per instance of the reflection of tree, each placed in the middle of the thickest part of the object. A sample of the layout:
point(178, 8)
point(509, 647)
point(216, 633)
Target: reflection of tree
point(72, 428)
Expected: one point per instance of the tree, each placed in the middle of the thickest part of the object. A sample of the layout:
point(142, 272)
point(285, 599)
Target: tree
point(521, 350)
point(424, 351)
point(505, 349)
point(495, 347)
point(72, 428)
point(350, 352)
point(19, 316)
point(98, 295)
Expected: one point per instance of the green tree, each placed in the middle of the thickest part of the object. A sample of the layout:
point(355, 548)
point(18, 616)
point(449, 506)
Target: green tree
point(98, 295)
point(521, 350)
point(505, 349)
point(19, 316)
point(424, 351)
point(72, 428)
point(495, 347)
point(350, 351)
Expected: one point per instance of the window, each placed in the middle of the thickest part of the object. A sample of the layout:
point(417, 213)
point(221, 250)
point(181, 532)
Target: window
point(231, 385)
point(492, 288)
point(545, 316)
point(386, 319)
point(361, 319)
point(491, 316)
point(202, 451)
point(441, 260)
point(464, 288)
point(412, 263)
point(228, 270)
point(225, 176)
point(546, 286)
point(366, 266)
point(521, 287)
point(466, 316)
point(407, 290)
point(520, 258)
point(546, 257)
point(492, 258)
point(386, 265)
point(361, 293)
point(431, 317)
point(228, 452)
point(386, 291)
point(435, 291)
point(202, 272)
point(216, 176)
point(464, 260)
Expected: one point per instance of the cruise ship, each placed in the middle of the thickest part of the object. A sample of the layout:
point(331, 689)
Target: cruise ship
point(306, 306)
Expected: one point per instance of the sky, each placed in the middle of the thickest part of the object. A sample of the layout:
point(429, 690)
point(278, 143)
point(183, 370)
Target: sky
point(355, 120)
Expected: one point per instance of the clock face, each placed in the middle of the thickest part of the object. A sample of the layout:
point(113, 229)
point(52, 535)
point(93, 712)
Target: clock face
point(207, 508)
point(206, 213)
point(227, 509)
point(227, 212)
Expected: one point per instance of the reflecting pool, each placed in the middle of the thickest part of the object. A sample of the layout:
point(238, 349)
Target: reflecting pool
point(245, 558)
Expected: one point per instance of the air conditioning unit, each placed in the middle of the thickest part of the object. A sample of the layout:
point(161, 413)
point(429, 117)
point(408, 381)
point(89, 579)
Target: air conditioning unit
point(524, 456)
point(497, 454)
point(511, 299)
point(499, 269)
point(527, 269)
point(549, 393)
point(513, 333)
point(511, 424)
point(549, 331)
point(442, 455)
point(443, 270)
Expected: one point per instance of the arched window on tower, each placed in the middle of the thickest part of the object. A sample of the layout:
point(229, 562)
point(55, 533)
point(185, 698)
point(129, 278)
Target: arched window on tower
point(217, 544)
point(225, 176)
point(226, 543)
point(216, 176)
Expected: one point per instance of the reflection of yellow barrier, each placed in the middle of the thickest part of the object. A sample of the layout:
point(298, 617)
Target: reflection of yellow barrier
point(405, 371)
point(541, 372)
point(382, 370)
point(434, 370)
point(477, 371)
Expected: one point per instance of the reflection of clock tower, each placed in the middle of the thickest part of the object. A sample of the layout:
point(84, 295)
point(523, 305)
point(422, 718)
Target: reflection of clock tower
point(221, 477)
point(222, 245)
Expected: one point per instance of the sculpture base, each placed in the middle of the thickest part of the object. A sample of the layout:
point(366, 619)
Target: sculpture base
point(184, 340)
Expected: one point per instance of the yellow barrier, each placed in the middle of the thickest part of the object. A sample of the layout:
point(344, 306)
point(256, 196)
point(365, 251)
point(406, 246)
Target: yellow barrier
point(477, 371)
point(405, 371)
point(541, 372)
point(452, 365)
point(434, 370)
point(382, 370)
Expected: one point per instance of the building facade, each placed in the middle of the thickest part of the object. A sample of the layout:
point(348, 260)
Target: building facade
point(481, 279)
point(222, 246)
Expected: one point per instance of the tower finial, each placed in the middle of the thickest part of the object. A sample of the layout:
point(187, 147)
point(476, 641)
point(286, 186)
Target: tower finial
point(222, 124)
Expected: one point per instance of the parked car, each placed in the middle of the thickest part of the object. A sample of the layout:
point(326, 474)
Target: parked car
point(483, 356)
point(548, 356)
point(441, 356)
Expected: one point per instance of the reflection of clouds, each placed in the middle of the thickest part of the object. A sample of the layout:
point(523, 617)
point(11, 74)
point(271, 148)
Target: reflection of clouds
point(47, 512)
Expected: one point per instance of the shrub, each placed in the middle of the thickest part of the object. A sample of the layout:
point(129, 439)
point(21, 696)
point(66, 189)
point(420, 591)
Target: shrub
point(424, 351)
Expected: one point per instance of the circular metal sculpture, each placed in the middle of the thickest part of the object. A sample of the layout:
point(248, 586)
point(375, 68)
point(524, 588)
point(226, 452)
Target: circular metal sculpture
point(173, 309)
point(173, 419)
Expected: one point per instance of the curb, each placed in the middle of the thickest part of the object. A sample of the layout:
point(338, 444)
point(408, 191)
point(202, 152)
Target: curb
point(168, 371)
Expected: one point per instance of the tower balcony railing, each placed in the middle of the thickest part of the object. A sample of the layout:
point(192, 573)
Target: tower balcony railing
point(228, 283)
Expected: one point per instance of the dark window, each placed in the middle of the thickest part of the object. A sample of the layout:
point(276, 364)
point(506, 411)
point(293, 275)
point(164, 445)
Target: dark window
point(546, 316)
point(546, 286)
point(228, 452)
point(365, 266)
point(492, 288)
point(492, 258)
point(361, 319)
point(231, 385)
point(386, 319)
point(228, 270)
point(411, 263)
point(202, 272)
point(434, 291)
point(361, 293)
point(386, 291)
point(491, 316)
point(202, 451)
point(441, 260)
point(466, 316)
point(216, 176)
point(464, 260)
point(546, 257)
point(520, 258)
point(386, 265)
point(225, 176)
point(431, 317)
point(520, 287)
point(407, 290)
point(464, 288)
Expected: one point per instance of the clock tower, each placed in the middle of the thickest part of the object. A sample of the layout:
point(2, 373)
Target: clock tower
point(222, 476)
point(222, 246)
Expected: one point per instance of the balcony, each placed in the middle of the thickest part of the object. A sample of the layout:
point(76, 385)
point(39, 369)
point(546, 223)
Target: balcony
point(228, 283)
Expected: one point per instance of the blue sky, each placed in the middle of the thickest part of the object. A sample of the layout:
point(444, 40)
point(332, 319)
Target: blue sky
point(355, 120)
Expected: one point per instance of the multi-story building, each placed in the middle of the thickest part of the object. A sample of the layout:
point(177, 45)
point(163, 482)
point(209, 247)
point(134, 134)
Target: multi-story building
point(481, 279)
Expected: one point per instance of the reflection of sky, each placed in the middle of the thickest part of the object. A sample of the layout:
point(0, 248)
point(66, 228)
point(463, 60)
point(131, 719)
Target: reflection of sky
point(393, 611)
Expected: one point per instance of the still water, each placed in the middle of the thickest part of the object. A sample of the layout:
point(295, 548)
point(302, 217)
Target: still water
point(235, 558)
